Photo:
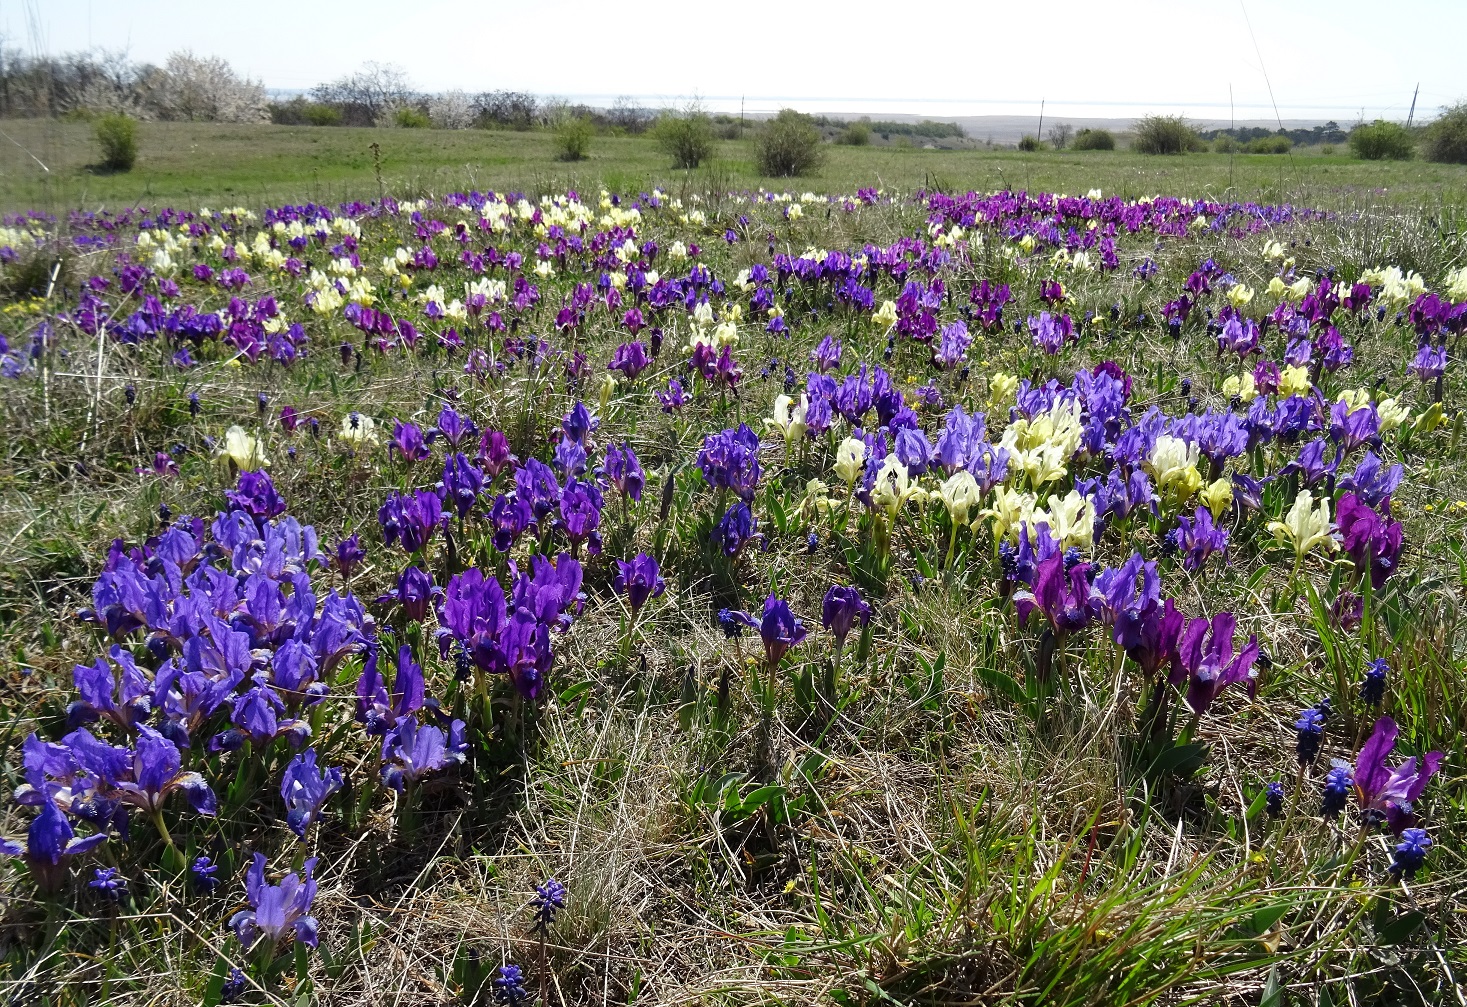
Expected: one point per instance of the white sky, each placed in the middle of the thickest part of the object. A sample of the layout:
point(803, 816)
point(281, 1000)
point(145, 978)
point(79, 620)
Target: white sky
point(1100, 58)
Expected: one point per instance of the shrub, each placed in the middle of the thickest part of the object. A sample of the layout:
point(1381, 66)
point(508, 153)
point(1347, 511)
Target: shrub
point(1225, 144)
point(300, 112)
point(1270, 145)
point(686, 138)
point(1094, 139)
point(408, 117)
point(117, 136)
point(317, 114)
point(1446, 139)
point(573, 138)
point(1164, 134)
point(1029, 142)
point(856, 134)
point(1382, 141)
point(788, 144)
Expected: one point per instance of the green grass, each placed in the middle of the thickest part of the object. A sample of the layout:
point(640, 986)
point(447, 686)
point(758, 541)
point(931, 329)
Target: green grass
point(192, 164)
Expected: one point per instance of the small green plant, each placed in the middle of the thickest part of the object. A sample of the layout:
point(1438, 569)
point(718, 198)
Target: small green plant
point(408, 117)
point(117, 136)
point(318, 114)
point(856, 134)
point(1446, 139)
point(788, 144)
point(686, 138)
point(573, 139)
point(1029, 143)
point(1382, 141)
point(1094, 139)
point(1164, 134)
point(1270, 145)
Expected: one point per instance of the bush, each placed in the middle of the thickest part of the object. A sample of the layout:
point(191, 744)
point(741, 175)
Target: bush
point(1270, 145)
point(573, 139)
point(686, 138)
point(1446, 139)
point(300, 112)
point(408, 117)
point(1164, 134)
point(788, 144)
point(117, 136)
point(1094, 139)
point(1382, 141)
point(1224, 144)
point(1029, 142)
point(856, 134)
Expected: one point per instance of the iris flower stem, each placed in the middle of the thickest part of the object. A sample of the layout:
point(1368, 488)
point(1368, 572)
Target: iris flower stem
point(162, 828)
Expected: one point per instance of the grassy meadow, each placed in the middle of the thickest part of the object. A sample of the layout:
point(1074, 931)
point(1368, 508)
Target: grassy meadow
point(933, 597)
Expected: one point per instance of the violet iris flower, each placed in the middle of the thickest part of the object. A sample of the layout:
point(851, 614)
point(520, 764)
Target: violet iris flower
point(580, 513)
point(461, 483)
point(50, 846)
point(411, 752)
point(630, 358)
point(414, 591)
point(454, 427)
point(730, 460)
point(1372, 483)
point(780, 630)
point(736, 529)
point(305, 789)
point(511, 517)
point(1209, 669)
point(674, 398)
point(952, 345)
point(1372, 543)
point(410, 518)
point(377, 709)
point(639, 580)
point(624, 471)
point(407, 440)
point(157, 772)
point(348, 555)
point(1198, 538)
point(1390, 794)
point(841, 610)
point(256, 496)
point(1063, 598)
point(276, 910)
point(1430, 362)
point(126, 701)
point(826, 356)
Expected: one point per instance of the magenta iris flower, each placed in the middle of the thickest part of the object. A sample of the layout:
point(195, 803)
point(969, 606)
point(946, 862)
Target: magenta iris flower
point(1390, 794)
point(1205, 661)
point(842, 610)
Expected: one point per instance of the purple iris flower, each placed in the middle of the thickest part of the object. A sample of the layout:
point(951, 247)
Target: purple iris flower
point(126, 700)
point(1147, 628)
point(736, 529)
point(1063, 598)
point(276, 910)
point(630, 358)
point(1371, 542)
point(461, 483)
point(826, 356)
point(1239, 335)
point(580, 513)
point(256, 717)
point(535, 484)
point(378, 710)
point(50, 845)
point(256, 496)
point(473, 612)
point(853, 397)
point(1349, 429)
point(511, 517)
point(455, 427)
point(1311, 464)
point(411, 752)
point(494, 454)
point(1198, 538)
point(578, 424)
point(674, 398)
point(913, 450)
point(188, 697)
point(305, 789)
point(780, 630)
point(1372, 483)
point(407, 440)
point(730, 461)
point(1050, 332)
point(1247, 492)
point(1207, 662)
point(624, 471)
point(840, 611)
point(1219, 436)
point(157, 772)
point(952, 345)
point(348, 555)
point(410, 519)
point(415, 589)
point(1391, 794)
point(639, 580)
point(1430, 362)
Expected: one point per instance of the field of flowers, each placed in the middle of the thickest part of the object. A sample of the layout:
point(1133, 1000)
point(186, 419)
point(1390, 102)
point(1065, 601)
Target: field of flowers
point(741, 597)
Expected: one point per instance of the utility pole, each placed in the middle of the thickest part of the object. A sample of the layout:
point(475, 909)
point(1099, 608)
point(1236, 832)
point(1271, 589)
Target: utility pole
point(1040, 137)
point(741, 117)
point(1412, 116)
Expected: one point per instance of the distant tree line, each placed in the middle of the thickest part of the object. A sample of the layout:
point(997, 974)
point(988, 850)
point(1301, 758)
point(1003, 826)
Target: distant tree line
point(101, 81)
point(1330, 132)
point(927, 128)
